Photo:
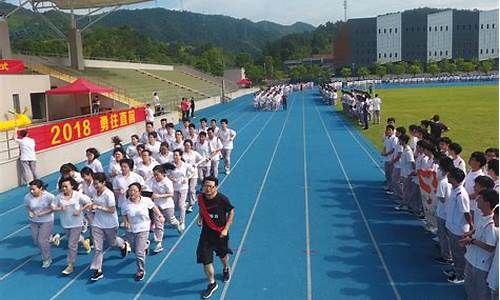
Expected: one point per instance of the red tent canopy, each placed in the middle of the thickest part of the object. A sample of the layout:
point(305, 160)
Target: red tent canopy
point(244, 81)
point(80, 86)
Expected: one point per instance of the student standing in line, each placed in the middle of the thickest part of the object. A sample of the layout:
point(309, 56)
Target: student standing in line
point(492, 278)
point(137, 222)
point(27, 157)
point(480, 245)
point(443, 194)
point(39, 204)
point(93, 161)
point(376, 102)
point(407, 165)
point(156, 103)
point(216, 217)
point(454, 151)
point(215, 148)
point(458, 222)
point(387, 152)
point(163, 193)
point(71, 203)
point(104, 225)
point(491, 153)
point(180, 178)
point(396, 165)
point(493, 172)
point(477, 161)
point(226, 135)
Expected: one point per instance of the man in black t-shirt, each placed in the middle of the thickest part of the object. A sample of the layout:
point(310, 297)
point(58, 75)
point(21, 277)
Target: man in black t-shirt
point(437, 128)
point(215, 216)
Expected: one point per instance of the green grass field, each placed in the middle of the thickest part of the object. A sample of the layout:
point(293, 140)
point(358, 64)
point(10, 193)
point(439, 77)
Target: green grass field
point(470, 111)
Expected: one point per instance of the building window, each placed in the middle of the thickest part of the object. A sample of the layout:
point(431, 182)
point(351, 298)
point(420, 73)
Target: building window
point(446, 27)
point(482, 25)
point(492, 51)
point(379, 55)
point(430, 53)
point(487, 26)
point(395, 30)
point(481, 51)
point(385, 55)
point(441, 28)
point(458, 27)
point(435, 53)
point(390, 54)
point(435, 28)
point(390, 30)
point(486, 51)
point(493, 26)
point(430, 28)
point(385, 30)
point(396, 54)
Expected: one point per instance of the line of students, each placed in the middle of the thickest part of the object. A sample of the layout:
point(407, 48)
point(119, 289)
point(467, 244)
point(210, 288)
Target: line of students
point(145, 184)
point(427, 177)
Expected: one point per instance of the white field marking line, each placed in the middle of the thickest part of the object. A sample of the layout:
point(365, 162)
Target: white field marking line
point(18, 267)
point(306, 205)
point(11, 210)
point(364, 149)
point(256, 203)
point(15, 232)
point(365, 221)
point(75, 278)
point(164, 260)
point(176, 243)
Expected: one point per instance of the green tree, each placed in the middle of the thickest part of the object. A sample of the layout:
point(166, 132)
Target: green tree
point(346, 72)
point(486, 66)
point(279, 75)
point(243, 59)
point(469, 66)
point(459, 62)
point(414, 69)
point(254, 73)
point(432, 68)
point(380, 70)
point(268, 66)
point(400, 68)
point(363, 72)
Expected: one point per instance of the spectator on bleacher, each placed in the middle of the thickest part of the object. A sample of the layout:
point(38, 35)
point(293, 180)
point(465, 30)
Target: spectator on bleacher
point(96, 105)
point(27, 157)
point(156, 103)
point(192, 105)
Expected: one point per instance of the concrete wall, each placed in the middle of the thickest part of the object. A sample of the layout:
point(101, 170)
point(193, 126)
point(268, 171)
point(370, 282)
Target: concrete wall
point(5, 50)
point(488, 34)
point(50, 160)
point(23, 85)
point(389, 38)
point(91, 63)
point(439, 35)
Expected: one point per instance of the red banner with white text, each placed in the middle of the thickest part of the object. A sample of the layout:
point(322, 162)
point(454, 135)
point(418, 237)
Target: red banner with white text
point(60, 133)
point(11, 66)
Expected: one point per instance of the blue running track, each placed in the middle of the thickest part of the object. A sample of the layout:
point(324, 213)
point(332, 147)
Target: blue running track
point(311, 222)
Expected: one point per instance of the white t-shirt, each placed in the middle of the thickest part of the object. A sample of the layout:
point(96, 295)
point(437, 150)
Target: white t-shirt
point(376, 103)
point(457, 205)
point(492, 278)
point(174, 146)
point(413, 143)
point(146, 171)
point(103, 219)
point(181, 175)
point(469, 180)
point(215, 144)
point(204, 150)
point(150, 115)
point(443, 191)
point(76, 202)
point(163, 187)
point(95, 166)
point(121, 183)
point(407, 161)
point(114, 167)
point(192, 158)
point(460, 163)
point(389, 144)
point(162, 159)
point(132, 151)
point(398, 149)
point(227, 136)
point(153, 148)
point(138, 214)
point(487, 233)
point(88, 189)
point(27, 147)
point(37, 205)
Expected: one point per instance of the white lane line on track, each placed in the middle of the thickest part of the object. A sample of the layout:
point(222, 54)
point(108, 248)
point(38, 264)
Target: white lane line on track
point(365, 220)
point(4, 276)
point(306, 206)
point(256, 203)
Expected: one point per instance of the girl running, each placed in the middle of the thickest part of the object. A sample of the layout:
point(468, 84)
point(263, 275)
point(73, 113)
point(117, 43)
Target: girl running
point(137, 222)
point(114, 164)
point(165, 156)
point(192, 158)
point(145, 167)
point(180, 176)
point(131, 149)
point(39, 203)
point(92, 160)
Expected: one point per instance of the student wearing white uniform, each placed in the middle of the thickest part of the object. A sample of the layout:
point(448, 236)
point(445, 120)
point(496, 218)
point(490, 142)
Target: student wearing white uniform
point(132, 148)
point(165, 156)
point(28, 156)
point(454, 151)
point(215, 148)
point(458, 222)
point(170, 136)
point(493, 172)
point(162, 131)
point(39, 203)
point(407, 165)
point(145, 167)
point(191, 158)
point(203, 126)
point(376, 102)
point(443, 194)
point(126, 178)
point(88, 182)
point(387, 152)
point(163, 193)
point(137, 222)
point(93, 161)
point(477, 161)
point(180, 178)
point(192, 133)
point(104, 225)
point(178, 144)
point(415, 203)
point(397, 187)
point(201, 146)
point(480, 245)
point(492, 278)
point(138, 158)
point(71, 203)
point(226, 135)
point(185, 128)
point(213, 125)
point(153, 144)
point(114, 168)
point(150, 115)
point(149, 128)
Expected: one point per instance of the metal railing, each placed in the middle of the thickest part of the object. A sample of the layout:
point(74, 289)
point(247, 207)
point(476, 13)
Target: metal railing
point(8, 146)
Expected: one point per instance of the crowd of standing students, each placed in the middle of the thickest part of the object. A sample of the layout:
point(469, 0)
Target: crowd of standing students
point(147, 186)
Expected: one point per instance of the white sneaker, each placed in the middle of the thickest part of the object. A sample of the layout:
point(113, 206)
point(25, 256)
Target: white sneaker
point(228, 172)
point(181, 228)
point(158, 248)
point(189, 209)
point(85, 225)
point(46, 263)
point(435, 239)
point(55, 239)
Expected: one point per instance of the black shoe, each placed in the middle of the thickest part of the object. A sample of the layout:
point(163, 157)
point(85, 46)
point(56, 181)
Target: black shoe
point(226, 275)
point(211, 288)
point(124, 250)
point(97, 275)
point(443, 261)
point(139, 275)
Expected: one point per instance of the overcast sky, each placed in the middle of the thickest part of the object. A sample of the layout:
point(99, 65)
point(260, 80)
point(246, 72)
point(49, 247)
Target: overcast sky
point(314, 12)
